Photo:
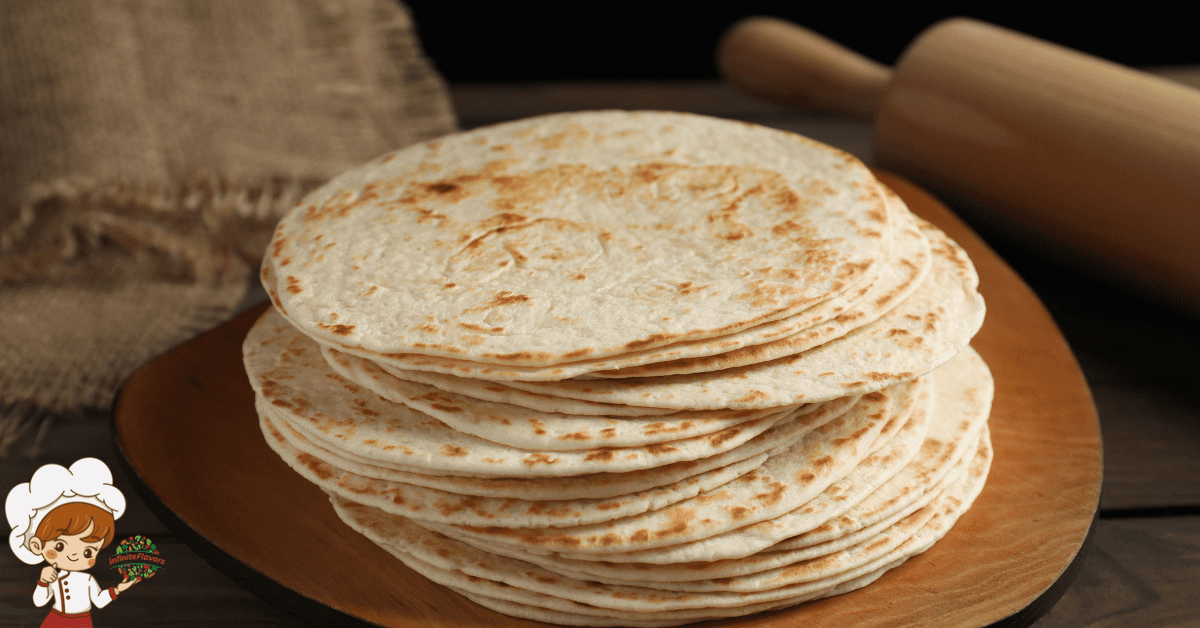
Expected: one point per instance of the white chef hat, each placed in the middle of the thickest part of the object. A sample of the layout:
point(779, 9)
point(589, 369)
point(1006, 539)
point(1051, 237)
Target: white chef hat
point(88, 481)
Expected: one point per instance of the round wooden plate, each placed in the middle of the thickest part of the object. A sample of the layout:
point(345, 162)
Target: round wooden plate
point(187, 427)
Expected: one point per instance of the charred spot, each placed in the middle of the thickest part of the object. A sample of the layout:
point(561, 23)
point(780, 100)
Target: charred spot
point(536, 459)
point(442, 187)
point(720, 438)
point(753, 395)
point(649, 341)
point(319, 468)
point(603, 455)
point(773, 496)
point(453, 451)
point(680, 520)
point(481, 328)
point(609, 539)
point(341, 330)
point(659, 449)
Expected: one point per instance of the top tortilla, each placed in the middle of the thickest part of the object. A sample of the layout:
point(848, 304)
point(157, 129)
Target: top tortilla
point(577, 236)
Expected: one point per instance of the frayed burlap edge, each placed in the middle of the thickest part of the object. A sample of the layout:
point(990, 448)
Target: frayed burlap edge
point(98, 277)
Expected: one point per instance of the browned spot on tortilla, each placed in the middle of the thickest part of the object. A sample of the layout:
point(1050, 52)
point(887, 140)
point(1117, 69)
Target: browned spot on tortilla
point(278, 244)
point(772, 496)
point(293, 285)
point(739, 512)
point(680, 520)
point(805, 477)
point(536, 459)
point(640, 536)
point(502, 298)
point(575, 436)
point(358, 406)
point(883, 377)
point(481, 328)
point(608, 432)
point(603, 455)
point(609, 505)
point(720, 438)
point(608, 540)
point(571, 135)
point(653, 339)
point(753, 395)
point(659, 448)
point(318, 467)
point(341, 330)
point(823, 461)
point(688, 287)
point(453, 451)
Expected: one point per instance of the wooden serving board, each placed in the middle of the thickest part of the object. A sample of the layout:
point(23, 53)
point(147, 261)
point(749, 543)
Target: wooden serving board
point(186, 424)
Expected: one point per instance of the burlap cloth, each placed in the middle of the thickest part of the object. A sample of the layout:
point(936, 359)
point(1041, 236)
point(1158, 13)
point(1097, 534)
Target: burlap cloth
point(147, 148)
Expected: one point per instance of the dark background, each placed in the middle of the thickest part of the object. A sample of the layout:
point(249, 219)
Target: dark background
point(623, 40)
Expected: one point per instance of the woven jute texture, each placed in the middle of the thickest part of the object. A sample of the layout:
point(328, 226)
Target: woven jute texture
point(147, 148)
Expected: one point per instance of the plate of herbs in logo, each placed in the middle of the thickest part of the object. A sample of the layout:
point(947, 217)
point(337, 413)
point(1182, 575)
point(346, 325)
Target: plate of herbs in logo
point(136, 557)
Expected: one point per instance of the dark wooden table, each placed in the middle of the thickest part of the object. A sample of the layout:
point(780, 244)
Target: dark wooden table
point(1142, 567)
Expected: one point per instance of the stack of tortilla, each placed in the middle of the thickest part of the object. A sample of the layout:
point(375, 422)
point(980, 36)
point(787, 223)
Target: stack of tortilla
point(613, 368)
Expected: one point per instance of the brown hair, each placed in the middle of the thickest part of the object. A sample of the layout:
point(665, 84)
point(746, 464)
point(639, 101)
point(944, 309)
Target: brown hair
point(74, 518)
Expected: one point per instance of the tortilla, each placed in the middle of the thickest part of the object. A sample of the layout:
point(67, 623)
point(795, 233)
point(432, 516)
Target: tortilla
point(287, 369)
point(578, 235)
point(524, 428)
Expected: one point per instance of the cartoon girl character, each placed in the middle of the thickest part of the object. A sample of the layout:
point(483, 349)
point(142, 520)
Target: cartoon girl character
point(65, 517)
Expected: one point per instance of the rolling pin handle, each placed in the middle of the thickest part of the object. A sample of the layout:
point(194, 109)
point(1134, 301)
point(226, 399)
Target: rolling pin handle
point(791, 65)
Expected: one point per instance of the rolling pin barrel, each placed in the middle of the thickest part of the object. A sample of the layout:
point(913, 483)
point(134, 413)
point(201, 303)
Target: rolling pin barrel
point(1085, 161)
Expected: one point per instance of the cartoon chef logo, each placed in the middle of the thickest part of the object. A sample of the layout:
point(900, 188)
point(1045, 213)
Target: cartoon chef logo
point(64, 517)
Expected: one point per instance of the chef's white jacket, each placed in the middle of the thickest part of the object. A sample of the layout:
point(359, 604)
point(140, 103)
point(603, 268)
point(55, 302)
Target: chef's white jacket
point(73, 593)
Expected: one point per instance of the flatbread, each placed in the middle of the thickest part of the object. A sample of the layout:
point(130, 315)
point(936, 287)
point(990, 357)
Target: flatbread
point(447, 561)
point(578, 235)
point(525, 428)
point(785, 482)
point(963, 392)
point(590, 486)
point(920, 334)
point(287, 369)
point(897, 277)
point(447, 507)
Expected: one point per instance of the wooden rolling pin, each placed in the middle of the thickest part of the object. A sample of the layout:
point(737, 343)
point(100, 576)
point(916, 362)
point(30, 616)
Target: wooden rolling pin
point(1088, 162)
